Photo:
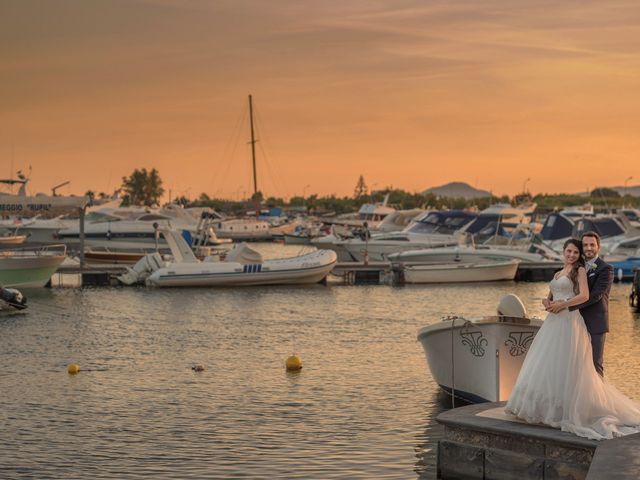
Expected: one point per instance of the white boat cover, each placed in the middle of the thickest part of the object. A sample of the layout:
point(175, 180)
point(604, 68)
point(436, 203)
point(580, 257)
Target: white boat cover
point(244, 255)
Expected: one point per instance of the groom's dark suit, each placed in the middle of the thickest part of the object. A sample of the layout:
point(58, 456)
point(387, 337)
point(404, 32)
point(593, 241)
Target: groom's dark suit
point(595, 311)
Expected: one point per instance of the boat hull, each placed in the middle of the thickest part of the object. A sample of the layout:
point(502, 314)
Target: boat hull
point(28, 272)
point(296, 239)
point(478, 361)
point(461, 273)
point(465, 255)
point(380, 250)
point(296, 271)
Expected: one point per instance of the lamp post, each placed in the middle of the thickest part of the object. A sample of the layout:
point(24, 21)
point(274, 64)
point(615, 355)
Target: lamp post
point(524, 185)
point(625, 189)
point(371, 192)
point(304, 191)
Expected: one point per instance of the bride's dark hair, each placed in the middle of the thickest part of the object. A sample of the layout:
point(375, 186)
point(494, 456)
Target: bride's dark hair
point(573, 275)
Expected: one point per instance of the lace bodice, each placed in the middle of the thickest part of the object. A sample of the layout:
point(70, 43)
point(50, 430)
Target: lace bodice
point(562, 288)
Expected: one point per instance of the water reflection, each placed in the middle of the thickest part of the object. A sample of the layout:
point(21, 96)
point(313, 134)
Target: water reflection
point(363, 406)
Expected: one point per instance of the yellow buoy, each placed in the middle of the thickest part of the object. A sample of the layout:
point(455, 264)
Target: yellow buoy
point(293, 363)
point(73, 368)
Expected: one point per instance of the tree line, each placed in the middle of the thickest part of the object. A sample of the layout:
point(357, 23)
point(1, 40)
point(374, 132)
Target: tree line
point(145, 187)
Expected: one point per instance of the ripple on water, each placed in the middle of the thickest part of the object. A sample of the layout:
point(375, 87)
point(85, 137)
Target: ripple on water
point(363, 406)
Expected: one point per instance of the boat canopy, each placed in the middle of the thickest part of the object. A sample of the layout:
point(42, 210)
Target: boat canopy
point(556, 226)
point(243, 254)
point(445, 222)
point(604, 226)
point(487, 224)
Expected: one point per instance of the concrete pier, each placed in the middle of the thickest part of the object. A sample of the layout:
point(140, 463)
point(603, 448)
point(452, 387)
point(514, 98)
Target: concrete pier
point(483, 442)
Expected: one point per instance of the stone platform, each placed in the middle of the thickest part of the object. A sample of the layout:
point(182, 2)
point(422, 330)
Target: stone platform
point(483, 442)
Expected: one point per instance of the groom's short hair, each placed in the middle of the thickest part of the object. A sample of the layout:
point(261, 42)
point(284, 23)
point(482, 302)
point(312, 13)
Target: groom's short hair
point(593, 234)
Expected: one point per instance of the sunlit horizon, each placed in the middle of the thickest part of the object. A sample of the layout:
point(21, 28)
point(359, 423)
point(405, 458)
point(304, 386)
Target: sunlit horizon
point(410, 94)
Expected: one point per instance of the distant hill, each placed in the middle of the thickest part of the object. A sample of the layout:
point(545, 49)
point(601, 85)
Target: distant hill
point(457, 190)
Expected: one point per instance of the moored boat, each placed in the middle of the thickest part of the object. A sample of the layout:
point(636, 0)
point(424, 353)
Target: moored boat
point(12, 239)
point(30, 267)
point(461, 272)
point(478, 360)
point(241, 266)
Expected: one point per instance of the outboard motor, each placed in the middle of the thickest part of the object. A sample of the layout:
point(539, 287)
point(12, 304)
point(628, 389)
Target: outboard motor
point(13, 298)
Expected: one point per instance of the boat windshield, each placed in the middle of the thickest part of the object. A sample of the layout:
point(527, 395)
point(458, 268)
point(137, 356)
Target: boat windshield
point(99, 217)
point(441, 222)
point(631, 215)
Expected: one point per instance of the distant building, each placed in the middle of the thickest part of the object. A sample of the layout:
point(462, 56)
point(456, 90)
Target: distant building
point(457, 190)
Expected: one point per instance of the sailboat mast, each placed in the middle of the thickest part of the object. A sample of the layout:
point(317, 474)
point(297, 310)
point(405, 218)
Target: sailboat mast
point(253, 148)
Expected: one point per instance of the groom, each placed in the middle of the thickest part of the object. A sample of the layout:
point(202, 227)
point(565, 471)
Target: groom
point(595, 311)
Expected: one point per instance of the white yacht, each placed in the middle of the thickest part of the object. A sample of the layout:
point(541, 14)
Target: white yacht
point(370, 215)
point(499, 224)
point(559, 227)
point(243, 229)
point(432, 230)
point(135, 228)
point(632, 215)
point(470, 254)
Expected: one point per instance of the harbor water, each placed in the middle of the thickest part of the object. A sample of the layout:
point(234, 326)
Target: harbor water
point(363, 405)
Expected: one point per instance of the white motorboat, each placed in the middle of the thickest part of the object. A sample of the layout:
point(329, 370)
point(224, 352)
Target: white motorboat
point(30, 266)
point(243, 229)
point(558, 227)
point(461, 272)
point(241, 266)
point(399, 220)
point(431, 230)
point(478, 360)
point(370, 215)
point(632, 215)
point(477, 254)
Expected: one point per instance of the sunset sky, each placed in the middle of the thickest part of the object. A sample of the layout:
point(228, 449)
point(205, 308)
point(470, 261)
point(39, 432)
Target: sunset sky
point(408, 93)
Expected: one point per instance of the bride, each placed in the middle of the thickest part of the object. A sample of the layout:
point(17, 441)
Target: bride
point(558, 384)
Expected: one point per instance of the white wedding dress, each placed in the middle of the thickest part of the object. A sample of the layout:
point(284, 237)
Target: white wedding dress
point(559, 386)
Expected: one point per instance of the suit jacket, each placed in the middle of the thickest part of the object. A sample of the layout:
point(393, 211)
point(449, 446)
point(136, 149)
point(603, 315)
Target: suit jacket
point(595, 311)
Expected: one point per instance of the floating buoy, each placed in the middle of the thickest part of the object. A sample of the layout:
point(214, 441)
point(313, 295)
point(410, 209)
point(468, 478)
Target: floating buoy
point(73, 368)
point(197, 368)
point(293, 363)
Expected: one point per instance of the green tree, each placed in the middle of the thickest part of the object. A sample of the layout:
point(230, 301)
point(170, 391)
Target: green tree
point(604, 192)
point(143, 187)
point(361, 189)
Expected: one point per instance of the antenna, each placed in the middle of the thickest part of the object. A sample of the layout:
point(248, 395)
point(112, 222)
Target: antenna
point(53, 189)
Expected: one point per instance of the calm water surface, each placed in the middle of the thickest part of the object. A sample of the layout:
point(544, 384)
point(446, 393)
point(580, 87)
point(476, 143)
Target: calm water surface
point(362, 407)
